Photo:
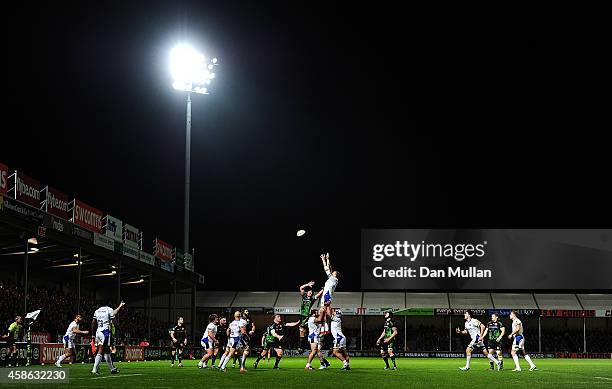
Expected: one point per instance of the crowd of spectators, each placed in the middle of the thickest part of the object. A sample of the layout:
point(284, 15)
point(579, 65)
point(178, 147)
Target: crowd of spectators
point(58, 310)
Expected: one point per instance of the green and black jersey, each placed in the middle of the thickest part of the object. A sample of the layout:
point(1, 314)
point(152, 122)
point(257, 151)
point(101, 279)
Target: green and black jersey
point(388, 329)
point(268, 334)
point(307, 303)
point(494, 329)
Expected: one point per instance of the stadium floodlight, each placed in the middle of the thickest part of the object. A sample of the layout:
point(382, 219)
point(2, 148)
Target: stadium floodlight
point(191, 73)
point(190, 70)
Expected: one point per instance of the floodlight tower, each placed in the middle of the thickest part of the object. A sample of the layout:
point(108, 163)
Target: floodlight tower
point(191, 73)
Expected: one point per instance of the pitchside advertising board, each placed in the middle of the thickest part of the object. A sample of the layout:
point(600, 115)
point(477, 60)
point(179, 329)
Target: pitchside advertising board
point(86, 216)
point(4, 175)
point(113, 228)
point(486, 259)
point(56, 203)
point(27, 190)
point(131, 236)
point(162, 250)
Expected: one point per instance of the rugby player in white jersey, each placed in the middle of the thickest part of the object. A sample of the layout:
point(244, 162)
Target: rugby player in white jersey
point(68, 340)
point(339, 347)
point(475, 329)
point(330, 284)
point(102, 320)
point(237, 329)
point(209, 340)
point(314, 330)
point(518, 343)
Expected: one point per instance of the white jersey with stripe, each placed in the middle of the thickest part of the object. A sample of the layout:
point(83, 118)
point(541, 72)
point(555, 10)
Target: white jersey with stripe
point(104, 315)
point(517, 325)
point(210, 328)
point(235, 327)
point(472, 326)
point(313, 328)
point(70, 331)
point(330, 284)
point(336, 322)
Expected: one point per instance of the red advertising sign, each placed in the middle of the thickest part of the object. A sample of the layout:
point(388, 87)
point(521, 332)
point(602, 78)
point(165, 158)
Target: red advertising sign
point(57, 203)
point(87, 216)
point(133, 353)
point(163, 250)
point(567, 313)
point(41, 337)
point(4, 175)
point(50, 352)
point(28, 190)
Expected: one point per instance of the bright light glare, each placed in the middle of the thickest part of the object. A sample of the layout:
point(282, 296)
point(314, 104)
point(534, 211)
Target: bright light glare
point(190, 70)
point(187, 65)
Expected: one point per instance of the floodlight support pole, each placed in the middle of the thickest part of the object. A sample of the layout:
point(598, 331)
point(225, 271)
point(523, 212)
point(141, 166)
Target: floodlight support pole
point(79, 282)
point(149, 307)
point(25, 278)
point(187, 172)
point(119, 282)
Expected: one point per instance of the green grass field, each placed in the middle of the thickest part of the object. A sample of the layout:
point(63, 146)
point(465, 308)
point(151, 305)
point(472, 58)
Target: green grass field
point(365, 373)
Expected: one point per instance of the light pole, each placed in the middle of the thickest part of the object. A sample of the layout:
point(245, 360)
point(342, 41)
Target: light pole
point(191, 73)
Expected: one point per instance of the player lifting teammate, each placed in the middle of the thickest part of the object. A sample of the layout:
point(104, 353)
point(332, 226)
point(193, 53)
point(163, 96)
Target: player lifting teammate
point(518, 343)
point(339, 340)
point(475, 329)
point(494, 334)
point(387, 337)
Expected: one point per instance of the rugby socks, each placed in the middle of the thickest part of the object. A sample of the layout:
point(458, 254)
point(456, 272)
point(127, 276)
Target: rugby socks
point(214, 358)
point(277, 361)
point(109, 361)
point(235, 359)
point(386, 359)
point(528, 359)
point(492, 358)
point(179, 355)
point(516, 362)
point(468, 359)
point(393, 360)
point(242, 362)
point(97, 362)
point(61, 358)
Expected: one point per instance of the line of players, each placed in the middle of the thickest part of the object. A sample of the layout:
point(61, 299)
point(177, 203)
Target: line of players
point(494, 333)
point(315, 323)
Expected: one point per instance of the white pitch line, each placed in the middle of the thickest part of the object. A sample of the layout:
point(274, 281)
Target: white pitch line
point(604, 378)
point(107, 376)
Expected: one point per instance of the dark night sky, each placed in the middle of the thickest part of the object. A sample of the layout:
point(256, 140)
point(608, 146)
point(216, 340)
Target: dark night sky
point(324, 118)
